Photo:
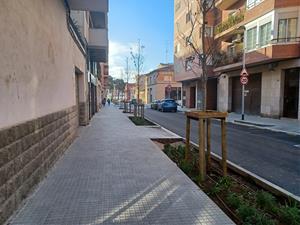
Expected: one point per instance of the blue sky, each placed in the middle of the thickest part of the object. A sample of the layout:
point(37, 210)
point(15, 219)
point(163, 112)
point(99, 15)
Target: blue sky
point(151, 21)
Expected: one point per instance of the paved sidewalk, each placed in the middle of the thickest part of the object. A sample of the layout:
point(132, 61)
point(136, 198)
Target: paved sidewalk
point(290, 126)
point(114, 174)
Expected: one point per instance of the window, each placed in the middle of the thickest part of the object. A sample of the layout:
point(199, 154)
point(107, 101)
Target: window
point(287, 29)
point(265, 34)
point(188, 17)
point(188, 40)
point(177, 48)
point(189, 63)
point(251, 38)
point(209, 31)
point(253, 3)
point(167, 78)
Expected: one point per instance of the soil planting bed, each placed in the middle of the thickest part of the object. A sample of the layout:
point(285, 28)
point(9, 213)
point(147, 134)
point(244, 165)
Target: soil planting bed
point(243, 201)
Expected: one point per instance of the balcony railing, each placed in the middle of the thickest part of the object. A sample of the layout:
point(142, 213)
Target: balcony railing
point(225, 58)
point(285, 40)
point(230, 22)
point(76, 34)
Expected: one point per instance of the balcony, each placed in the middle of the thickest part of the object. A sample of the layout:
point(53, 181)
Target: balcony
point(225, 4)
point(278, 49)
point(231, 25)
point(89, 5)
point(98, 37)
point(226, 58)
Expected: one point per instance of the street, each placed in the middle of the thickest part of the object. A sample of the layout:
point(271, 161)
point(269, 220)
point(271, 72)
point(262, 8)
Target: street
point(271, 155)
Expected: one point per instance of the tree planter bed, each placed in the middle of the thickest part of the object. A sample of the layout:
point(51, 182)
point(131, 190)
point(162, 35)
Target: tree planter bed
point(243, 201)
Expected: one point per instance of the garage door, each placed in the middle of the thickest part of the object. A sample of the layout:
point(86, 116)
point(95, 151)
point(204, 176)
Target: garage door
point(211, 98)
point(253, 98)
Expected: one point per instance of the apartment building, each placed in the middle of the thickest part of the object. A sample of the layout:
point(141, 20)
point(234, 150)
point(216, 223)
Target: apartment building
point(184, 56)
point(104, 86)
point(161, 84)
point(50, 55)
point(268, 31)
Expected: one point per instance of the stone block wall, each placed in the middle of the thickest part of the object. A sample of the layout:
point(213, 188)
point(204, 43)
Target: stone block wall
point(83, 113)
point(28, 151)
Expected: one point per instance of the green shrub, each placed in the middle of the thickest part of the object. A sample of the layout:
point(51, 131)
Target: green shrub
point(246, 213)
point(290, 215)
point(186, 167)
point(176, 154)
point(234, 200)
point(223, 184)
point(266, 201)
point(259, 219)
point(251, 216)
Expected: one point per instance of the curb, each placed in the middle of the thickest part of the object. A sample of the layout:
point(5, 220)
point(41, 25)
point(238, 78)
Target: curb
point(265, 128)
point(164, 129)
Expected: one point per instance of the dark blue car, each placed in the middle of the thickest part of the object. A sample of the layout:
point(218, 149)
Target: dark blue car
point(167, 105)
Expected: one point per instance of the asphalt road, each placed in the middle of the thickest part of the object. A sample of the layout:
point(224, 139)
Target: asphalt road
point(271, 155)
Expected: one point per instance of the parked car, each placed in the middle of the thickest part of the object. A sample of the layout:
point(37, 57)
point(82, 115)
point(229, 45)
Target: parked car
point(133, 101)
point(154, 104)
point(167, 105)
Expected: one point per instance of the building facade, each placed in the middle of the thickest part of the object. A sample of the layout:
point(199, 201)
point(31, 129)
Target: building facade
point(161, 84)
point(143, 83)
point(50, 55)
point(130, 91)
point(185, 59)
point(269, 33)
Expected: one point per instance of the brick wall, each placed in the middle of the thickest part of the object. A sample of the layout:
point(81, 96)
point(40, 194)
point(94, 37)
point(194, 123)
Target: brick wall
point(28, 151)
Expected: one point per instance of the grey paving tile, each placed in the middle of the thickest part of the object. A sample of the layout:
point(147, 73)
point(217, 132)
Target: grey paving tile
point(113, 174)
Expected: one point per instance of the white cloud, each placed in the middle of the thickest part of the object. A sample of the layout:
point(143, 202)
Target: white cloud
point(117, 57)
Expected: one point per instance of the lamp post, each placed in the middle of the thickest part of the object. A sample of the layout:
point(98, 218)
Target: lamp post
point(138, 61)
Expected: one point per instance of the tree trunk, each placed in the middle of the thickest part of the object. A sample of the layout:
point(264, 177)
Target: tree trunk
point(203, 62)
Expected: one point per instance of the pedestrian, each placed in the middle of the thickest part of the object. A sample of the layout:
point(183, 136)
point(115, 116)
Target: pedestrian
point(103, 102)
point(108, 101)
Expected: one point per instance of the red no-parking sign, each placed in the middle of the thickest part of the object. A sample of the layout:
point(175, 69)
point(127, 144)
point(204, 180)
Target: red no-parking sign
point(244, 80)
point(244, 77)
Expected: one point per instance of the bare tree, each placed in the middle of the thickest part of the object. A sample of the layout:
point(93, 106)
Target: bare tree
point(200, 42)
point(138, 61)
point(127, 72)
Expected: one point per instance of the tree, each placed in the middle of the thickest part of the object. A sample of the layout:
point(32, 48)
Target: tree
point(203, 51)
point(110, 83)
point(138, 61)
point(120, 86)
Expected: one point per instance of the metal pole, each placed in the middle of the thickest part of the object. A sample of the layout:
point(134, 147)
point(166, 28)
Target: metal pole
point(243, 102)
point(138, 75)
point(243, 86)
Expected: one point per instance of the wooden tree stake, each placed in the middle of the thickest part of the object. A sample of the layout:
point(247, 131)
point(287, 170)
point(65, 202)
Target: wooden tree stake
point(208, 147)
point(224, 147)
point(187, 137)
point(202, 169)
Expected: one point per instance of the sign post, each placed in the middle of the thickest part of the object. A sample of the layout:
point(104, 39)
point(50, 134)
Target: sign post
point(244, 80)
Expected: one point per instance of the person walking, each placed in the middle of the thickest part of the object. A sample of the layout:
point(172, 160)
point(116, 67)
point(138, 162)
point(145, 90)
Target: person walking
point(103, 102)
point(108, 101)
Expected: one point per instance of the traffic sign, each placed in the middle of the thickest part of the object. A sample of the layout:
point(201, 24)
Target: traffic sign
point(244, 80)
point(244, 73)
